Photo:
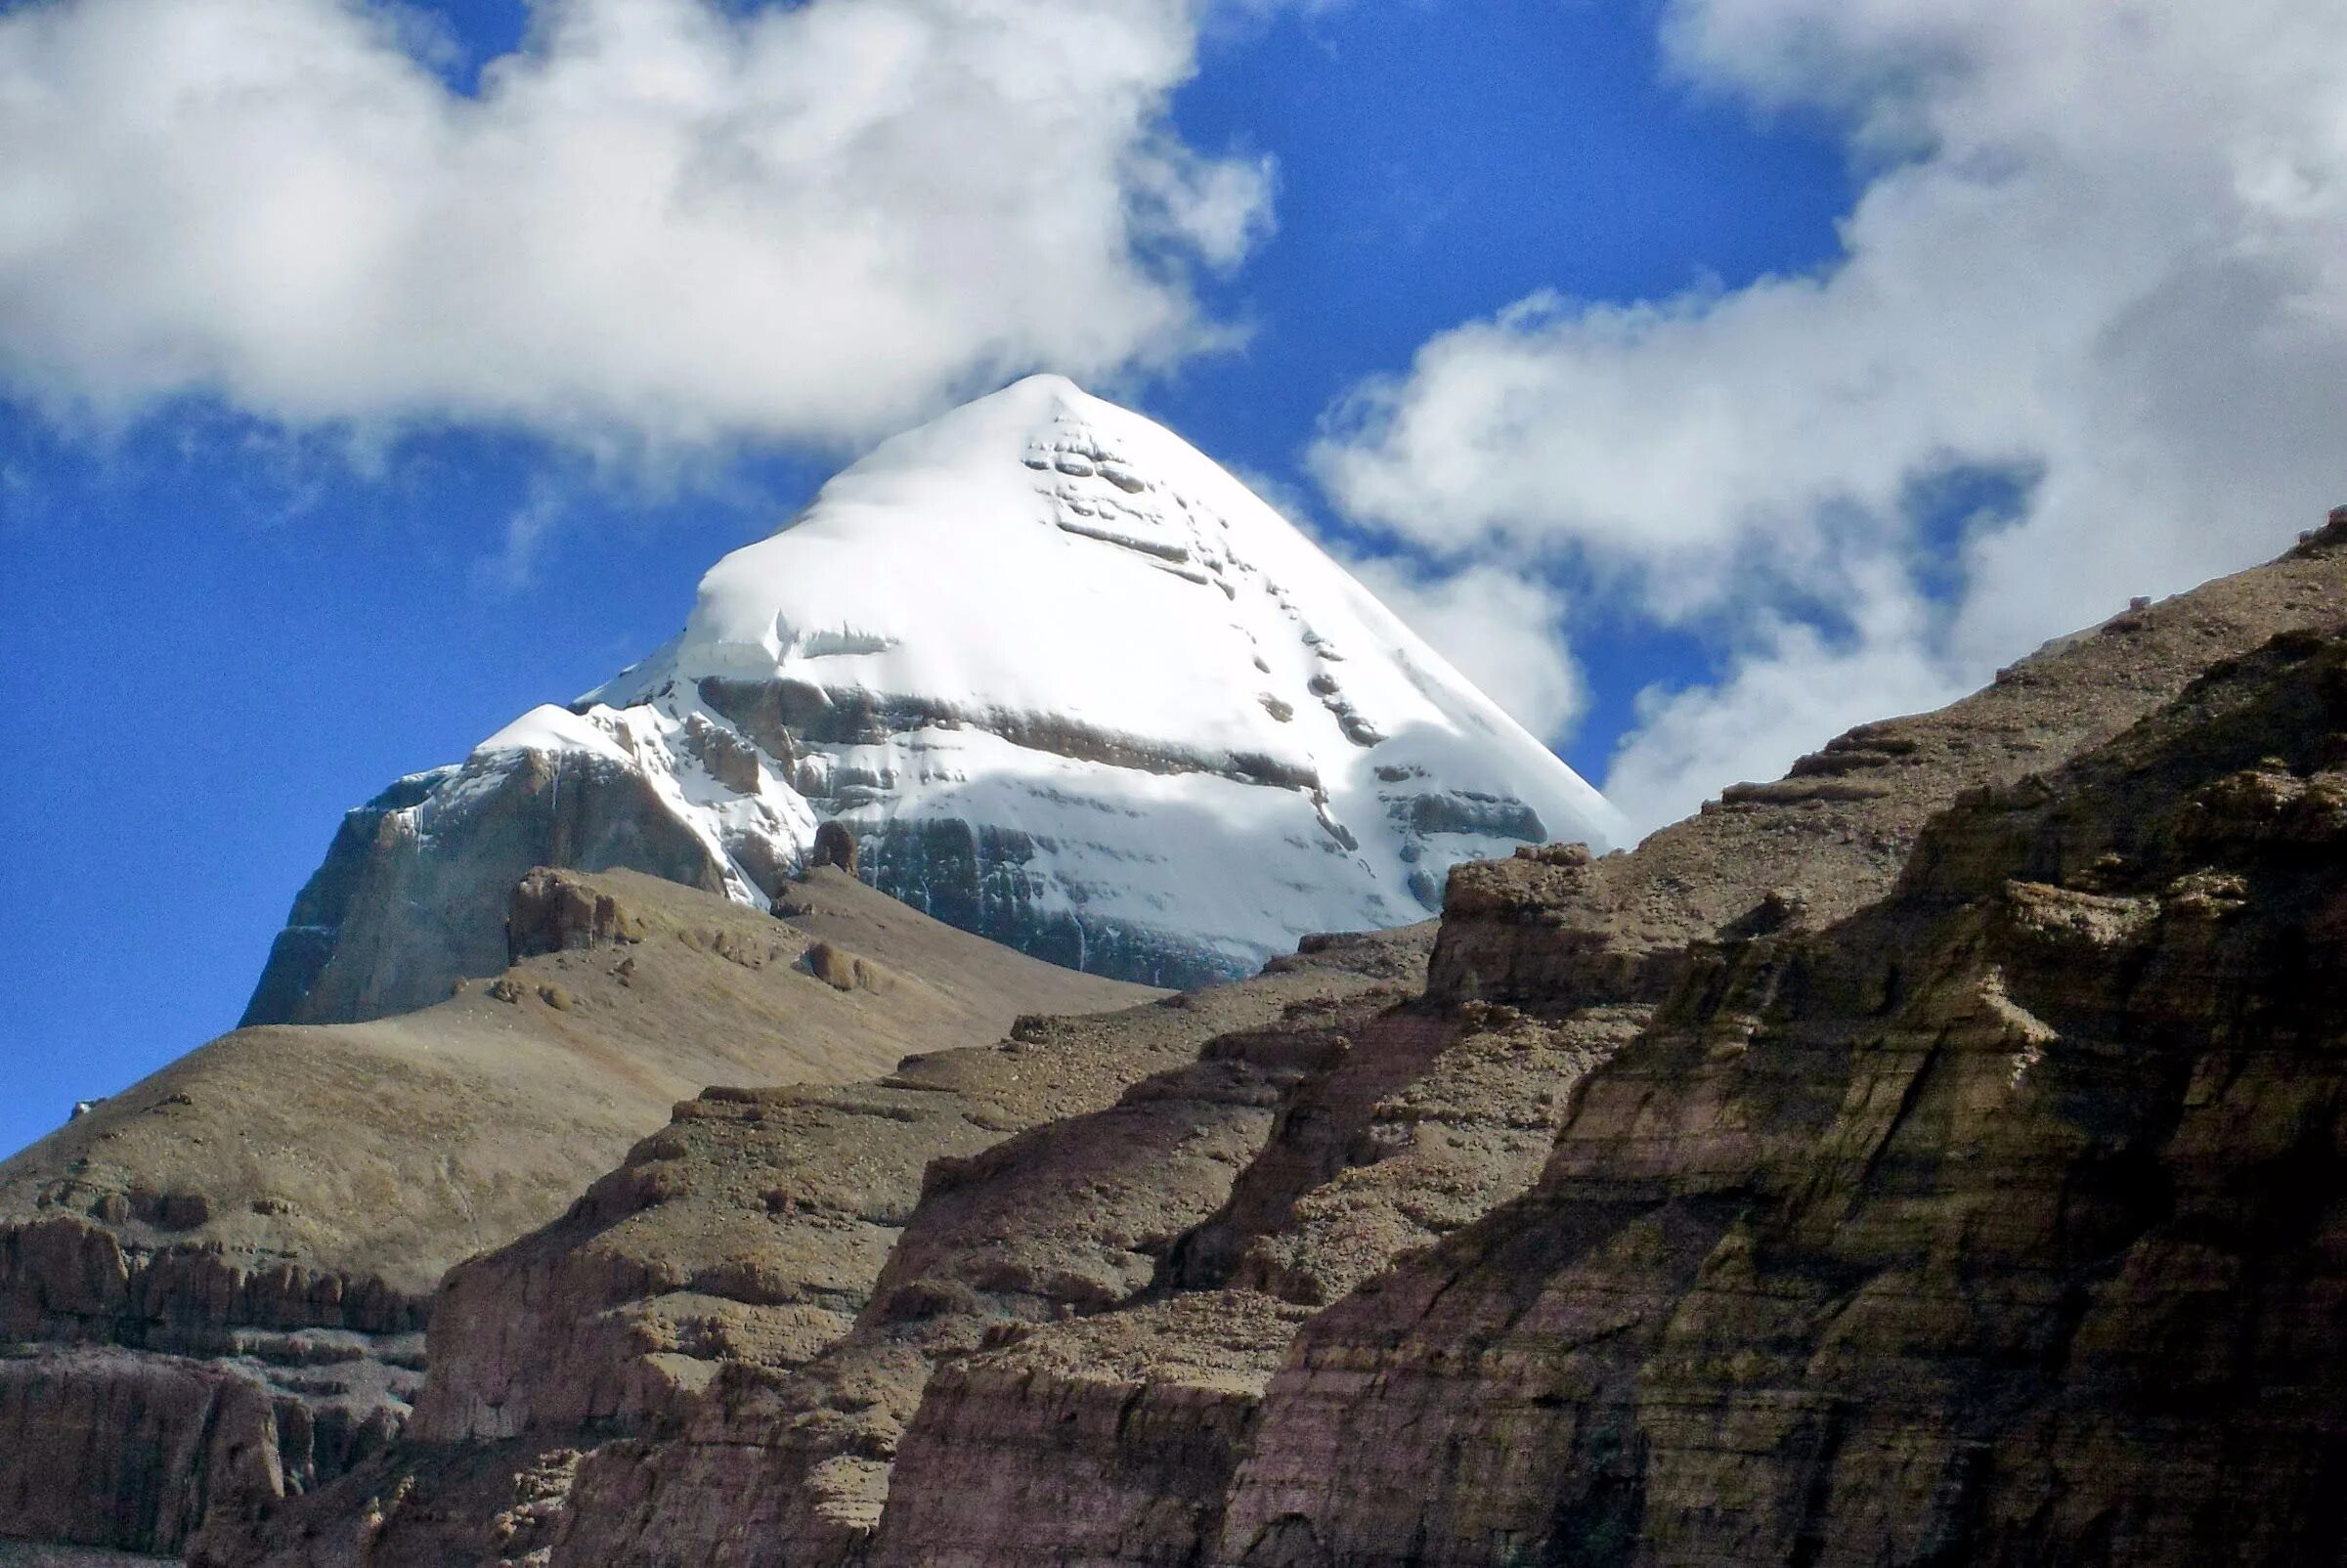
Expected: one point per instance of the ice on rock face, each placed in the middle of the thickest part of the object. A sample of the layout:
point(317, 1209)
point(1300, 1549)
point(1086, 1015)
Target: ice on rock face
point(1076, 688)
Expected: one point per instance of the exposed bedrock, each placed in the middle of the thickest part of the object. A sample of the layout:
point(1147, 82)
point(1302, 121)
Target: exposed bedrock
point(1745, 1197)
point(750, 1230)
point(413, 892)
point(130, 1450)
point(273, 1211)
point(67, 1279)
point(1113, 1437)
point(2005, 1221)
point(1061, 1222)
point(1547, 930)
point(1109, 1439)
point(745, 1296)
point(976, 877)
point(1419, 1130)
point(142, 1389)
point(786, 716)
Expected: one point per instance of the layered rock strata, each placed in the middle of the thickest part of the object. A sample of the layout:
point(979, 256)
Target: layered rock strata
point(740, 1318)
point(1586, 949)
point(242, 1249)
point(1549, 930)
point(2005, 1221)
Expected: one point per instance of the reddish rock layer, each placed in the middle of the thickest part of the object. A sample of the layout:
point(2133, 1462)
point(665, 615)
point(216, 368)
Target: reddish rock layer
point(2003, 1222)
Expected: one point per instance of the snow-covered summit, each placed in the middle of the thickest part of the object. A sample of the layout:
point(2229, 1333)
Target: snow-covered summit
point(1071, 685)
point(1043, 551)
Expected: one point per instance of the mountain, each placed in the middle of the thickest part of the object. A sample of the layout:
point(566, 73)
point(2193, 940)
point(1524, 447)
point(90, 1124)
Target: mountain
point(1067, 683)
point(1932, 1156)
point(213, 1286)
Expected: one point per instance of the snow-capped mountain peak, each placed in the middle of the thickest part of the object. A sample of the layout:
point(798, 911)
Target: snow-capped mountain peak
point(1070, 684)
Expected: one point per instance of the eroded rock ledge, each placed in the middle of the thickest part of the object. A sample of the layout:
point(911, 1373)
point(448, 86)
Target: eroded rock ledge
point(214, 1288)
point(2005, 1221)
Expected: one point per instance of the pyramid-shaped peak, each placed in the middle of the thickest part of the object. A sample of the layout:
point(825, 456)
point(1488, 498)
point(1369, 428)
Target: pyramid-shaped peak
point(1043, 553)
point(1052, 385)
point(1070, 684)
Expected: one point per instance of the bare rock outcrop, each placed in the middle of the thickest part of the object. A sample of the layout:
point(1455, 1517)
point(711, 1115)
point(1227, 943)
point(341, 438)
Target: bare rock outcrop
point(263, 1219)
point(1070, 1219)
point(1424, 1126)
point(116, 1449)
point(2001, 1222)
point(1549, 928)
point(1124, 1429)
point(355, 947)
point(1106, 1439)
point(743, 1315)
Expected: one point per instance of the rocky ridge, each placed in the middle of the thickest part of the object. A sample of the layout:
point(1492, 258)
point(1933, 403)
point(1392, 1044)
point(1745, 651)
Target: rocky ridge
point(744, 1314)
point(1742, 1199)
point(2002, 1221)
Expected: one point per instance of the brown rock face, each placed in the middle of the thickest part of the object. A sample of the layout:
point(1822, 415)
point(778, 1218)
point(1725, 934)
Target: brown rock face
point(112, 1448)
point(1550, 930)
point(761, 1292)
point(1108, 1438)
point(1422, 1127)
point(282, 1203)
point(835, 845)
point(115, 1449)
point(557, 913)
point(2003, 1222)
point(1067, 1219)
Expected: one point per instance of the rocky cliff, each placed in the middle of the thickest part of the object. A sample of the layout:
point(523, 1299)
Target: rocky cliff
point(1933, 1156)
point(1587, 950)
point(724, 1338)
point(2002, 1221)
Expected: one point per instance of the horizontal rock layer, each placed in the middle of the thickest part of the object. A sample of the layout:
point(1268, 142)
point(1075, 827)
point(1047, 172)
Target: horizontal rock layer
point(267, 1221)
point(2003, 1222)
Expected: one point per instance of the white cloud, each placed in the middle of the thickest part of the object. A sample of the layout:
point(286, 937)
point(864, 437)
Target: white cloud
point(660, 221)
point(1503, 632)
point(1790, 684)
point(2105, 245)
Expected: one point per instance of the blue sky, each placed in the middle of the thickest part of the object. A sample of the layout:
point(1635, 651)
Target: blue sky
point(1705, 377)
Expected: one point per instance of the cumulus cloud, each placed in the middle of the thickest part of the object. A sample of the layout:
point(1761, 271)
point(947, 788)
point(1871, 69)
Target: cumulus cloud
point(2101, 250)
point(1789, 684)
point(661, 220)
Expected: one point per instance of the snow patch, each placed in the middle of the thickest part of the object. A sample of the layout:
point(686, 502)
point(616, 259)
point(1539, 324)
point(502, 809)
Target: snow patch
point(548, 728)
